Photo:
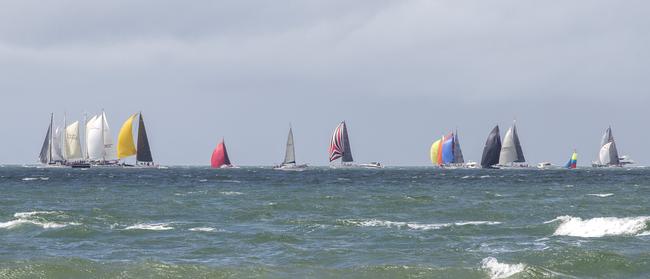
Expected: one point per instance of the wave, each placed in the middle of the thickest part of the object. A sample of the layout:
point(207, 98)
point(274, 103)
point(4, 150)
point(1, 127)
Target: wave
point(26, 218)
point(599, 227)
point(150, 227)
point(231, 193)
point(413, 226)
point(34, 213)
point(601, 195)
point(202, 229)
point(501, 270)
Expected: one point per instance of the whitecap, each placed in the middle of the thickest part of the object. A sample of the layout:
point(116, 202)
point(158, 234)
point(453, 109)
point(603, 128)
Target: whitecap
point(465, 177)
point(485, 176)
point(646, 233)
point(501, 270)
point(412, 225)
point(231, 193)
point(601, 195)
point(202, 229)
point(203, 180)
point(29, 178)
point(150, 227)
point(46, 225)
point(599, 227)
point(45, 178)
point(32, 213)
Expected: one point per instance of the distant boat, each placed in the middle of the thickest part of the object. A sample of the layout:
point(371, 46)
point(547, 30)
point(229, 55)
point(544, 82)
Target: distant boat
point(492, 149)
point(289, 162)
point(220, 157)
point(608, 153)
point(46, 155)
point(511, 151)
point(339, 148)
point(126, 146)
point(573, 162)
point(446, 152)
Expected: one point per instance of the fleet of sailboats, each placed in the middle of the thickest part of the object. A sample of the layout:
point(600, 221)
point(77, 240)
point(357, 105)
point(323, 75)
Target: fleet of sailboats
point(64, 146)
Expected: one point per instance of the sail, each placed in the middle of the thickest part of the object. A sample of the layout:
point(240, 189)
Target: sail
point(125, 144)
point(44, 156)
point(144, 151)
point(220, 156)
point(611, 158)
point(110, 151)
point(436, 152)
point(94, 140)
point(573, 162)
point(448, 149)
point(57, 152)
point(340, 144)
point(290, 153)
point(72, 142)
point(492, 149)
point(511, 151)
point(458, 153)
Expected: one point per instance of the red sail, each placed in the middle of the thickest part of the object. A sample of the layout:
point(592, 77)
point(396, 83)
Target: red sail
point(220, 156)
point(336, 148)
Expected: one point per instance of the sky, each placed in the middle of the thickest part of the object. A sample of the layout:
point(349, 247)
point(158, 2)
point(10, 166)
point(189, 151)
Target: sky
point(400, 73)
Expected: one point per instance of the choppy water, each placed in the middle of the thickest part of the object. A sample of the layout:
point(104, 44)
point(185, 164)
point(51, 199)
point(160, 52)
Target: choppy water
point(323, 223)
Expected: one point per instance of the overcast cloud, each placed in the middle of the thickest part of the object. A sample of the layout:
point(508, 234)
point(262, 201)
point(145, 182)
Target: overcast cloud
point(401, 73)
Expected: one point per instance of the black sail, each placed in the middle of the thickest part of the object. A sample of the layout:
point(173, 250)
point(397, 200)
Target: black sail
point(492, 149)
point(458, 153)
point(226, 159)
point(347, 152)
point(144, 151)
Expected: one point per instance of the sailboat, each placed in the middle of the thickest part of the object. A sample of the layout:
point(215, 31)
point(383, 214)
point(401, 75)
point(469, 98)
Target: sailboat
point(492, 149)
point(608, 154)
point(219, 157)
point(339, 148)
point(446, 152)
point(72, 147)
point(511, 154)
point(573, 162)
point(289, 162)
point(126, 146)
point(99, 144)
point(48, 155)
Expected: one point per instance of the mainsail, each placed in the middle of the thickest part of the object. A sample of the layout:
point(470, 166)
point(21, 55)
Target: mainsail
point(492, 149)
point(220, 156)
point(72, 142)
point(109, 149)
point(45, 155)
point(94, 138)
point(608, 154)
point(573, 162)
point(290, 153)
point(511, 151)
point(448, 149)
point(57, 153)
point(340, 144)
point(144, 151)
point(458, 153)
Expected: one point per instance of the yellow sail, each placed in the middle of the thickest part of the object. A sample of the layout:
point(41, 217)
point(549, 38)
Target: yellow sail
point(435, 152)
point(125, 144)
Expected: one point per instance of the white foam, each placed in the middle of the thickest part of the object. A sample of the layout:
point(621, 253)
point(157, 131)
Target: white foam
point(231, 193)
point(601, 195)
point(599, 227)
point(29, 178)
point(646, 233)
point(150, 227)
point(203, 180)
point(46, 225)
point(32, 213)
point(203, 229)
point(465, 177)
point(412, 225)
point(501, 270)
point(485, 176)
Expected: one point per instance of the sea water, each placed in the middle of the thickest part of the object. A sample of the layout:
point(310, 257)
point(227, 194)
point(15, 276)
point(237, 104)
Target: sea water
point(195, 222)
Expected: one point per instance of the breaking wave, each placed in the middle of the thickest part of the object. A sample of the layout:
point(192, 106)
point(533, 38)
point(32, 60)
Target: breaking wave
point(501, 270)
point(29, 218)
point(202, 229)
point(150, 227)
point(413, 225)
point(599, 227)
point(601, 195)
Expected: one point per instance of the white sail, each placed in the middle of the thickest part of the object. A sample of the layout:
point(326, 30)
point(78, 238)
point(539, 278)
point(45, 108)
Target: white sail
point(72, 143)
point(290, 154)
point(605, 154)
point(508, 149)
point(94, 140)
point(110, 152)
point(57, 154)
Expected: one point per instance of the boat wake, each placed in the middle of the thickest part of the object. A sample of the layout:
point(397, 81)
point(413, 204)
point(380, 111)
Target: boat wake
point(501, 270)
point(35, 218)
point(599, 227)
point(412, 225)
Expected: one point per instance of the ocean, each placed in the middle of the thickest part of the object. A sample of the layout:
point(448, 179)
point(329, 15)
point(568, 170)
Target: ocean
point(252, 222)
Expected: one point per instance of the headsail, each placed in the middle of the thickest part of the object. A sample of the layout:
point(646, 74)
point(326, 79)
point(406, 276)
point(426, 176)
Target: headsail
point(573, 162)
point(290, 153)
point(220, 156)
point(72, 142)
point(492, 149)
point(448, 149)
point(511, 151)
point(144, 150)
point(340, 144)
point(125, 144)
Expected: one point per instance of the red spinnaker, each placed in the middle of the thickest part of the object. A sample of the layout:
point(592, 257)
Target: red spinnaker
point(220, 156)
